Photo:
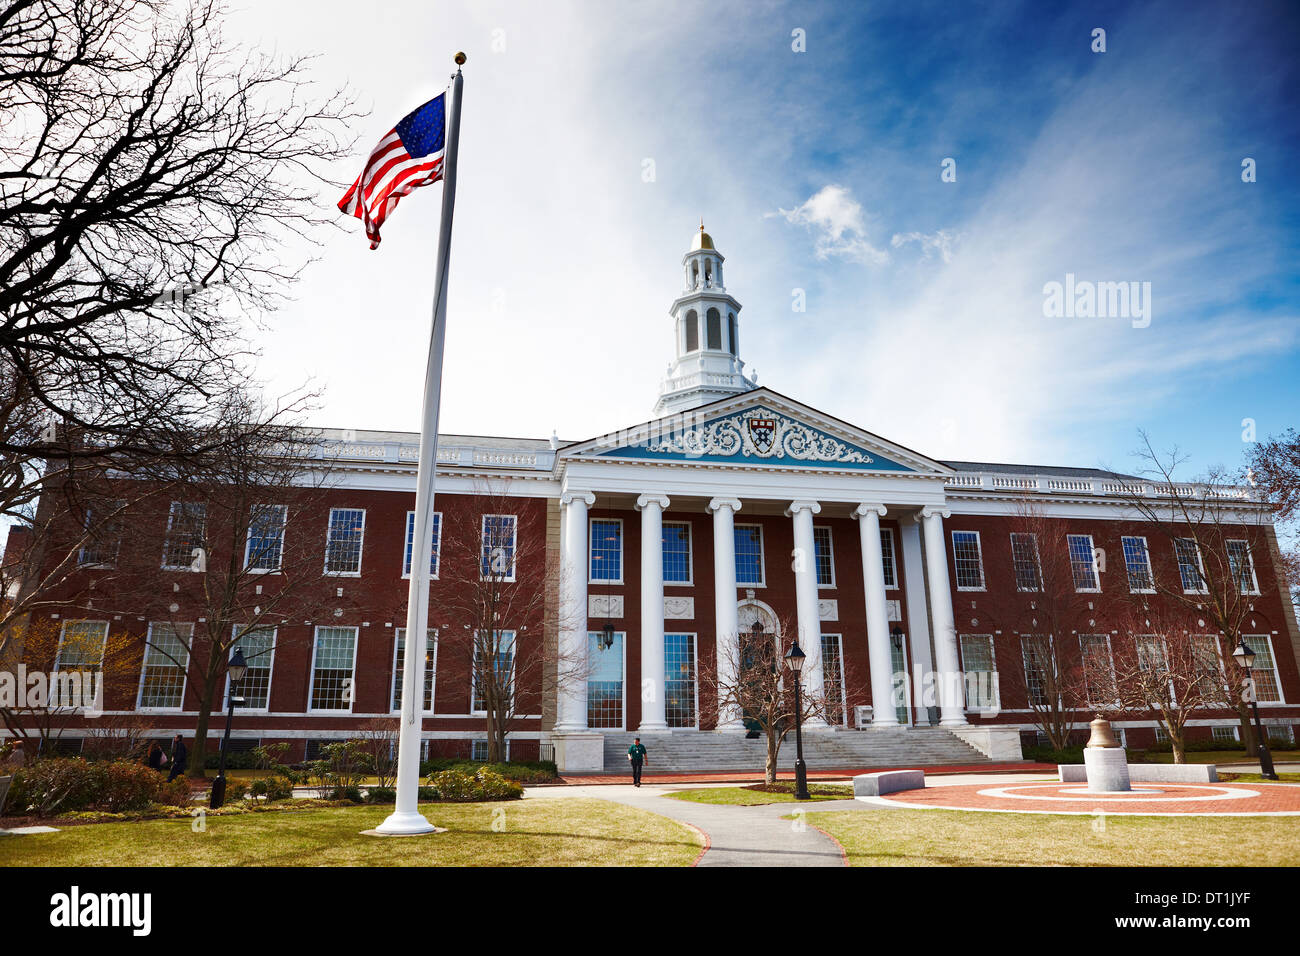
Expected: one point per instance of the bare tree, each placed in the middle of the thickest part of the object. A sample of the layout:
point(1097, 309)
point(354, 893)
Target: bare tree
point(492, 610)
point(1275, 471)
point(1211, 533)
point(752, 679)
point(1046, 612)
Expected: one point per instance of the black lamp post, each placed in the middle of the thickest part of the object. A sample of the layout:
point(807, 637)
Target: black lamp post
point(1246, 658)
point(607, 636)
point(795, 658)
point(237, 669)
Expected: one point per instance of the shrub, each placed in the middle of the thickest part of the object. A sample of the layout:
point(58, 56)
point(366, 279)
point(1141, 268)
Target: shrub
point(459, 786)
point(1048, 755)
point(71, 784)
point(271, 788)
point(522, 771)
point(381, 795)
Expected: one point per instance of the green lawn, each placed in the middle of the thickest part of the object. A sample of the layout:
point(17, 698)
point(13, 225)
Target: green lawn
point(957, 838)
point(749, 797)
point(575, 832)
point(1224, 756)
point(1257, 778)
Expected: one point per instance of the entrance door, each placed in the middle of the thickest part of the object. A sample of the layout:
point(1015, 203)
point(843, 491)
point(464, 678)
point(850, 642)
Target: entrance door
point(605, 682)
point(898, 662)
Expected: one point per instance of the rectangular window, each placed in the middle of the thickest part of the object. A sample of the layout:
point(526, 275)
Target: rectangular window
point(410, 544)
point(499, 654)
point(343, 539)
point(1189, 565)
point(1083, 562)
point(604, 682)
point(887, 558)
point(497, 557)
point(1162, 735)
point(259, 654)
point(1223, 733)
point(1205, 651)
point(1267, 688)
point(980, 670)
point(332, 668)
point(898, 662)
point(968, 560)
point(749, 555)
point(266, 538)
point(166, 661)
point(824, 557)
point(1137, 561)
point(680, 705)
point(1242, 567)
point(1098, 667)
point(677, 553)
point(399, 667)
point(833, 679)
point(1151, 655)
point(478, 750)
point(104, 536)
point(186, 527)
point(606, 551)
point(81, 646)
point(1024, 559)
point(1281, 736)
point(1039, 668)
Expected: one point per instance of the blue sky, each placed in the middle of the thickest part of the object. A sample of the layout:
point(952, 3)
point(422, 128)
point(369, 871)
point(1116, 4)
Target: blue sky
point(820, 171)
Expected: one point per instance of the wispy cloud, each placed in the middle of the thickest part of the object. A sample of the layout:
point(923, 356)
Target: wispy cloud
point(836, 219)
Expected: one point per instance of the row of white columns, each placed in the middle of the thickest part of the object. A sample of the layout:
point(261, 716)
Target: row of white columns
point(572, 695)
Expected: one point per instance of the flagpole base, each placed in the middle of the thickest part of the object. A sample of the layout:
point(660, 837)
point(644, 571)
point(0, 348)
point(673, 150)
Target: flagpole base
point(411, 823)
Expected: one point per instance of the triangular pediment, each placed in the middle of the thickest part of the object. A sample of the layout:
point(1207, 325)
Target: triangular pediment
point(760, 428)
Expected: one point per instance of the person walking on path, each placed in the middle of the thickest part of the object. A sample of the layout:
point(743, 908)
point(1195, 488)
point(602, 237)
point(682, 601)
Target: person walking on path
point(636, 756)
point(179, 758)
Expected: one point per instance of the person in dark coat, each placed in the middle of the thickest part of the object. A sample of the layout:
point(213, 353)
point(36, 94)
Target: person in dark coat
point(155, 758)
point(179, 758)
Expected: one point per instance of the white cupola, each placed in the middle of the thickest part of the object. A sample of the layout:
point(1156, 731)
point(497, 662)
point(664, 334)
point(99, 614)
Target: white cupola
point(707, 363)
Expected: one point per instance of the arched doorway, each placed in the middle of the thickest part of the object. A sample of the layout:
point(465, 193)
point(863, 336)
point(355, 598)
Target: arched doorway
point(759, 639)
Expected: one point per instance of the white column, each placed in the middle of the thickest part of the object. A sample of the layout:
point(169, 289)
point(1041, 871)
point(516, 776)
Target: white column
point(947, 663)
point(883, 712)
point(727, 628)
point(805, 591)
point(571, 709)
point(652, 612)
point(918, 613)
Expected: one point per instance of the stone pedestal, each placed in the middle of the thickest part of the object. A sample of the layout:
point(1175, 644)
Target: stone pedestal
point(579, 753)
point(1107, 769)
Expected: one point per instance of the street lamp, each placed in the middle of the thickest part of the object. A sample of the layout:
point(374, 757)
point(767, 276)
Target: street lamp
point(795, 658)
point(236, 670)
point(1244, 656)
point(607, 636)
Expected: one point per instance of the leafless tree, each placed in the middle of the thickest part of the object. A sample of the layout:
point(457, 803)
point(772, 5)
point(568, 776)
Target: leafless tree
point(752, 679)
point(1210, 534)
point(492, 609)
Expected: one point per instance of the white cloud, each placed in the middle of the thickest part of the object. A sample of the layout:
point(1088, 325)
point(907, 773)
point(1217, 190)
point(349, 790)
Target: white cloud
point(837, 219)
point(930, 243)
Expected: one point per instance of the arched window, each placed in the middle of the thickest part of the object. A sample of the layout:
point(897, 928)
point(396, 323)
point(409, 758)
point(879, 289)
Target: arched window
point(714, 329)
point(731, 332)
point(692, 331)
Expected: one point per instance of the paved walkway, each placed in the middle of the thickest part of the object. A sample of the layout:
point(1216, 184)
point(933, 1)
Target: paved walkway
point(757, 776)
point(737, 836)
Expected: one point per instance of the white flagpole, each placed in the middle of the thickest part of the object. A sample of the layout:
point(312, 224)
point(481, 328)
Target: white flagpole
point(406, 818)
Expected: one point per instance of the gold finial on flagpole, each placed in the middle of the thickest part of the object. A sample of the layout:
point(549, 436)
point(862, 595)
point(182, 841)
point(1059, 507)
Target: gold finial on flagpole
point(460, 59)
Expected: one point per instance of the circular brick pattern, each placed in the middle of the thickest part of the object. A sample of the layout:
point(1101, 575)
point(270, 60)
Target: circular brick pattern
point(1220, 799)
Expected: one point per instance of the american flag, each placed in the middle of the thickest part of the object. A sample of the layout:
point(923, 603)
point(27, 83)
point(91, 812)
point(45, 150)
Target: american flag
point(409, 156)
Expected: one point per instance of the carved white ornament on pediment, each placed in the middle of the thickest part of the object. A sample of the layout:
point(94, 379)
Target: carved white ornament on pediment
point(760, 433)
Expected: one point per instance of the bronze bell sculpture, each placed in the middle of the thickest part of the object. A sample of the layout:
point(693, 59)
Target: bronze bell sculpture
point(1102, 735)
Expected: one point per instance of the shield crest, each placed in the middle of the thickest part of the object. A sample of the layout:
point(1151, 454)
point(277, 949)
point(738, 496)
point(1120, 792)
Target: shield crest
point(762, 431)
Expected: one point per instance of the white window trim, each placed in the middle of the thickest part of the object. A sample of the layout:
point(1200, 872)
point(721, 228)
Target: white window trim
point(695, 656)
point(830, 533)
point(171, 516)
point(690, 558)
point(392, 684)
point(63, 632)
point(1146, 553)
point(591, 539)
point(361, 545)
point(514, 548)
point(410, 523)
point(979, 552)
point(1092, 563)
point(1038, 562)
point(1200, 567)
point(115, 506)
point(311, 677)
point(248, 542)
point(144, 666)
point(270, 679)
point(1110, 662)
point(844, 691)
point(473, 668)
point(1252, 640)
point(1250, 563)
point(622, 727)
point(762, 555)
point(893, 553)
point(993, 659)
point(1162, 642)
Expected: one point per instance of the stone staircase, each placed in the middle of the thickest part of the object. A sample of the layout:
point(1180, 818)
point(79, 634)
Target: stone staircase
point(692, 751)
